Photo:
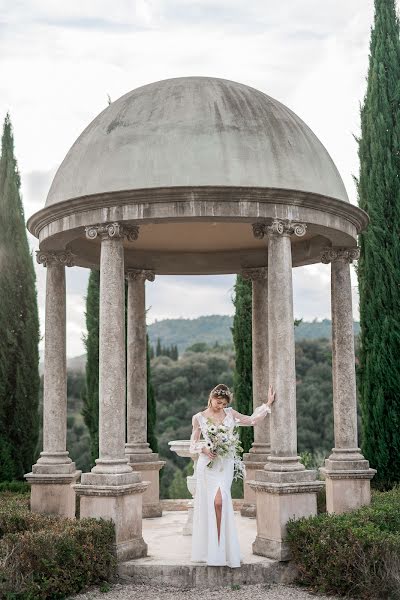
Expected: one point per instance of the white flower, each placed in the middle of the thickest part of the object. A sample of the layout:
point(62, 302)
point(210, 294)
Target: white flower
point(209, 445)
point(212, 429)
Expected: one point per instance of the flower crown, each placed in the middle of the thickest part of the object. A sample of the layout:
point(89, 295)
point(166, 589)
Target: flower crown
point(221, 393)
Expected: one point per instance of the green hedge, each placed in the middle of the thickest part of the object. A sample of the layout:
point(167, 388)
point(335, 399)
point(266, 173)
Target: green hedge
point(355, 554)
point(43, 557)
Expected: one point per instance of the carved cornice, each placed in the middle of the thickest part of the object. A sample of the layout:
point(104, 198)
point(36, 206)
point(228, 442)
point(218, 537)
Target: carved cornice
point(255, 274)
point(55, 257)
point(112, 231)
point(344, 254)
point(279, 227)
point(139, 275)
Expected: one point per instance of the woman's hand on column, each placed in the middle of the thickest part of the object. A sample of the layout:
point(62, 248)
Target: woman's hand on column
point(271, 395)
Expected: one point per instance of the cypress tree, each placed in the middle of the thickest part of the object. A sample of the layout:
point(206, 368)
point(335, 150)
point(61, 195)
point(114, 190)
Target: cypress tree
point(91, 393)
point(379, 264)
point(158, 347)
point(242, 340)
point(19, 325)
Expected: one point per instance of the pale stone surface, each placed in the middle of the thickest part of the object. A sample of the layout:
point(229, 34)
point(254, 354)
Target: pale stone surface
point(112, 457)
point(150, 471)
point(346, 471)
point(52, 494)
point(282, 374)
point(224, 133)
point(54, 458)
point(123, 505)
point(275, 507)
point(260, 448)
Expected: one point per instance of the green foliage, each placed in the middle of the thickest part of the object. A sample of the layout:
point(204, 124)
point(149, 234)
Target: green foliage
point(151, 405)
point(19, 325)
point(45, 557)
point(354, 554)
point(379, 265)
point(178, 486)
point(314, 396)
point(91, 393)
point(17, 487)
point(242, 339)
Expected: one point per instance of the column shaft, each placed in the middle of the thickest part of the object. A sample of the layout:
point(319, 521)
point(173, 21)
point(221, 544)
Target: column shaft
point(343, 367)
point(136, 363)
point(281, 347)
point(112, 359)
point(260, 358)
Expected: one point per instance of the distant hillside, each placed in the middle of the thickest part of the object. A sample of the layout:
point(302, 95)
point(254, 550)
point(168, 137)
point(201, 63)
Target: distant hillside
point(217, 328)
point(210, 329)
point(185, 332)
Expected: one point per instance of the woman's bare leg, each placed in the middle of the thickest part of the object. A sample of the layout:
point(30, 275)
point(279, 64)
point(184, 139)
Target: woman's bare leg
point(218, 510)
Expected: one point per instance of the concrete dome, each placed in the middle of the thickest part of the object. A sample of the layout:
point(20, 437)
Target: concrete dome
point(196, 131)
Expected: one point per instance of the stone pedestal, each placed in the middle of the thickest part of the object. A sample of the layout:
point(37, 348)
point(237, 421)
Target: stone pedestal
point(137, 449)
point(346, 471)
point(112, 490)
point(54, 473)
point(283, 488)
point(118, 498)
point(150, 472)
point(277, 503)
point(260, 448)
point(53, 494)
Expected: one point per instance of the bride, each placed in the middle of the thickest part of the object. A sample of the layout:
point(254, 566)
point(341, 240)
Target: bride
point(214, 538)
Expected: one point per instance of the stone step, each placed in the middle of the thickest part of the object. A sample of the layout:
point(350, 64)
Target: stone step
point(144, 571)
point(168, 561)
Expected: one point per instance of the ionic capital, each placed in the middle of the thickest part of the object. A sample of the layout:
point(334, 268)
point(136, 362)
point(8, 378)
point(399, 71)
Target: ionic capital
point(279, 227)
point(112, 231)
point(55, 257)
point(255, 273)
point(139, 275)
point(344, 254)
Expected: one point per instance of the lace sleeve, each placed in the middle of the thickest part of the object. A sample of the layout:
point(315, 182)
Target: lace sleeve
point(258, 415)
point(195, 443)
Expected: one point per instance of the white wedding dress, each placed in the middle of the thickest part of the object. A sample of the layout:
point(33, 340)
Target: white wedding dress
point(205, 546)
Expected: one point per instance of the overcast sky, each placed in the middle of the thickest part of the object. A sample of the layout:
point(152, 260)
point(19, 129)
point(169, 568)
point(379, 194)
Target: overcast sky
point(60, 59)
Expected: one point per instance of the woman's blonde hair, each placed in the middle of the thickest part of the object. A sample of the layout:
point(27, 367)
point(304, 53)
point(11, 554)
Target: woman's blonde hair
point(220, 391)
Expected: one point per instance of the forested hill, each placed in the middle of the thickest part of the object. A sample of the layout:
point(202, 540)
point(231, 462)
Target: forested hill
point(217, 328)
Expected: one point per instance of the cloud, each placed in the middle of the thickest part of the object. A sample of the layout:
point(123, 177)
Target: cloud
point(61, 59)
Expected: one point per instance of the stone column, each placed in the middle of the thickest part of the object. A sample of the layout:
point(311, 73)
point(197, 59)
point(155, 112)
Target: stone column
point(112, 490)
point(284, 489)
point(346, 471)
point(137, 449)
point(54, 473)
point(260, 449)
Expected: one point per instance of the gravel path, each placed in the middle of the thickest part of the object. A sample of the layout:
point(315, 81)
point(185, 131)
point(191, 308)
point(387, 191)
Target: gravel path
point(245, 592)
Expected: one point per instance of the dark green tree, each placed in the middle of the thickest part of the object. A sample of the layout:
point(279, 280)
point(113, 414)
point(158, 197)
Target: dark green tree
point(151, 405)
point(379, 265)
point(158, 347)
point(91, 391)
point(19, 325)
point(242, 339)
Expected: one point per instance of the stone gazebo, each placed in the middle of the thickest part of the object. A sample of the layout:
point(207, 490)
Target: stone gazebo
point(200, 176)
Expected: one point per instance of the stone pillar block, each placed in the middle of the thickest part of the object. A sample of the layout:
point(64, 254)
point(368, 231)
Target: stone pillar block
point(53, 494)
point(150, 471)
point(280, 498)
point(253, 462)
point(119, 499)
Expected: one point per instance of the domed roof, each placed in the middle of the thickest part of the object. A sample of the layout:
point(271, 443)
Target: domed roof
point(196, 131)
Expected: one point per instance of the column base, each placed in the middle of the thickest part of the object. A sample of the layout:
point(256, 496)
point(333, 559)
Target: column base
point(149, 465)
point(53, 493)
point(254, 461)
point(280, 497)
point(119, 499)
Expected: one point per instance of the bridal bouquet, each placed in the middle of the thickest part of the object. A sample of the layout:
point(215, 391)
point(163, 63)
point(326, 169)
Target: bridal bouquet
point(224, 442)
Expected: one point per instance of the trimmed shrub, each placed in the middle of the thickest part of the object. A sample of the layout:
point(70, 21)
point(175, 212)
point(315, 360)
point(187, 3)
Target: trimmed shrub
point(43, 557)
point(17, 487)
point(355, 554)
